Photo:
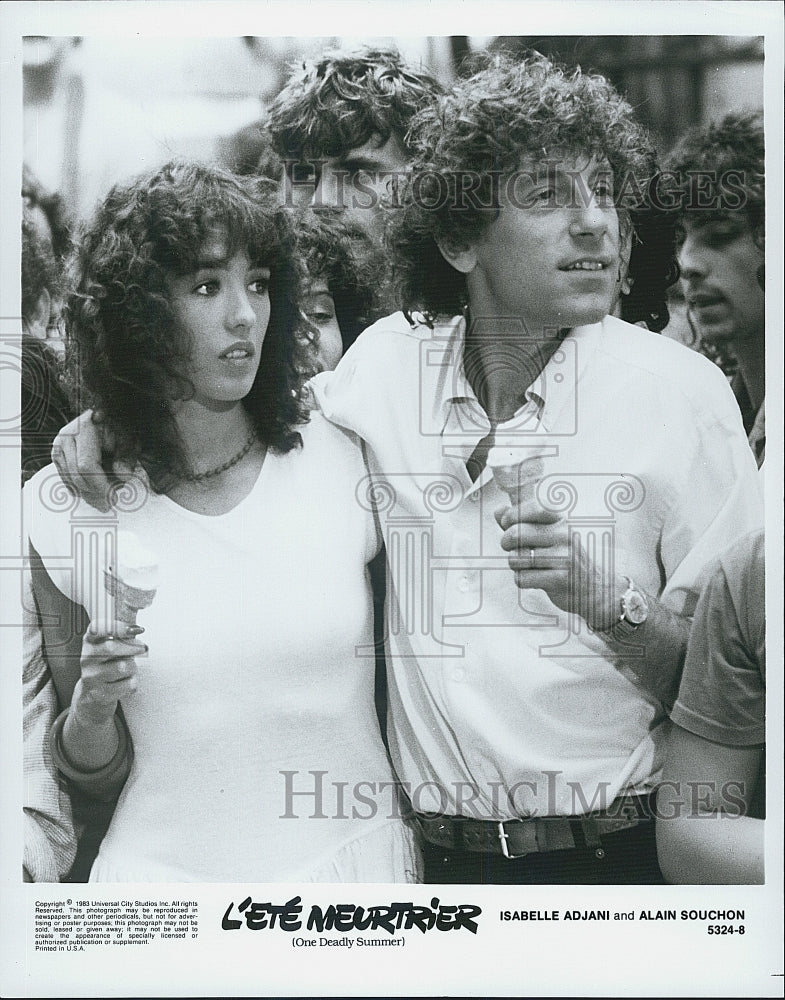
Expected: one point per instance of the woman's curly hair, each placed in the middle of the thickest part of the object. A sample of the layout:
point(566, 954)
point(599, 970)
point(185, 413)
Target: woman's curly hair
point(35, 195)
point(350, 263)
point(653, 267)
point(126, 356)
point(485, 128)
point(339, 102)
point(39, 268)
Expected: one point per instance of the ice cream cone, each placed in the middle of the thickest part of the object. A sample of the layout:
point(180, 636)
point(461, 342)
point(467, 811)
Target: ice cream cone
point(132, 578)
point(517, 468)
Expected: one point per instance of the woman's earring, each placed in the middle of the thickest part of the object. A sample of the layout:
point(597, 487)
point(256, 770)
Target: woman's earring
point(626, 285)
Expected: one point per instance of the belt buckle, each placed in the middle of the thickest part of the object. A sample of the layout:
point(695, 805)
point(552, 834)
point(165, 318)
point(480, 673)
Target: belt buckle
point(503, 838)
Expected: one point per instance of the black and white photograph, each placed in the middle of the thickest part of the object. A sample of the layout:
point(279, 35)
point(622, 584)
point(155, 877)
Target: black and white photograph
point(391, 541)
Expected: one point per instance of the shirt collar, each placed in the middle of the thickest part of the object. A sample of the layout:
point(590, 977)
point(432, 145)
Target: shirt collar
point(549, 392)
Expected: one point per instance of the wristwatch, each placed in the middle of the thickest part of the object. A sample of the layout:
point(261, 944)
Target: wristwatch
point(634, 611)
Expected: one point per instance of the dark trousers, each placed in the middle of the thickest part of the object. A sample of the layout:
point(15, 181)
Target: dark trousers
point(628, 857)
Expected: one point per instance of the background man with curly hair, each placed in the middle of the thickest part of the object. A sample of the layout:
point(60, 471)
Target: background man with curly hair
point(340, 125)
point(719, 715)
point(527, 723)
point(723, 250)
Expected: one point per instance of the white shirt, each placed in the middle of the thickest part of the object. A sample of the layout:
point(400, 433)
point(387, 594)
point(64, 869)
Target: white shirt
point(253, 722)
point(500, 703)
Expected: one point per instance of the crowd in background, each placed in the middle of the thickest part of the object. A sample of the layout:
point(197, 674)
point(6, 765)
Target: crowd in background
point(78, 92)
point(713, 300)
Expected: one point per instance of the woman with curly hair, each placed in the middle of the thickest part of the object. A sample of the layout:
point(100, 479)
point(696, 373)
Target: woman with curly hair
point(345, 283)
point(181, 321)
point(651, 267)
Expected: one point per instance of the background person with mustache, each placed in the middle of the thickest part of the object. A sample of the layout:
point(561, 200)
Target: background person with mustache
point(366, 384)
point(719, 716)
point(723, 250)
point(340, 127)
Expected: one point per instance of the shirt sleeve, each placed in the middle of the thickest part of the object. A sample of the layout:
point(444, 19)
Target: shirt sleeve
point(72, 539)
point(361, 395)
point(716, 495)
point(722, 696)
point(49, 836)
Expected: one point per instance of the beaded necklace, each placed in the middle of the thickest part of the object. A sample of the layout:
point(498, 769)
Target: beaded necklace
point(197, 477)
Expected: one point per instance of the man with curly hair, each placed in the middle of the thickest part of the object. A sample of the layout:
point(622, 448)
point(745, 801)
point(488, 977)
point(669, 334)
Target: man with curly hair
point(340, 125)
point(720, 172)
point(527, 722)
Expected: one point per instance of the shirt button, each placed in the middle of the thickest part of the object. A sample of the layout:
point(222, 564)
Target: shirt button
point(463, 583)
point(474, 497)
point(458, 674)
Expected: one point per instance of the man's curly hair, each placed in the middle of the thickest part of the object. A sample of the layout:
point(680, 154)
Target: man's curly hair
point(352, 266)
point(487, 126)
point(125, 352)
point(339, 102)
point(733, 151)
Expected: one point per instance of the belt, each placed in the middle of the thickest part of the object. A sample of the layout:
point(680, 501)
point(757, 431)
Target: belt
point(515, 838)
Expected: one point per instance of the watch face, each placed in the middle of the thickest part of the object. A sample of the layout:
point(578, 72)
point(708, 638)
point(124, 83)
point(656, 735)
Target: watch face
point(635, 608)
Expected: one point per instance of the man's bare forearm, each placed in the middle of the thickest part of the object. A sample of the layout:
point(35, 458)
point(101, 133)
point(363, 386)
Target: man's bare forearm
point(654, 651)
